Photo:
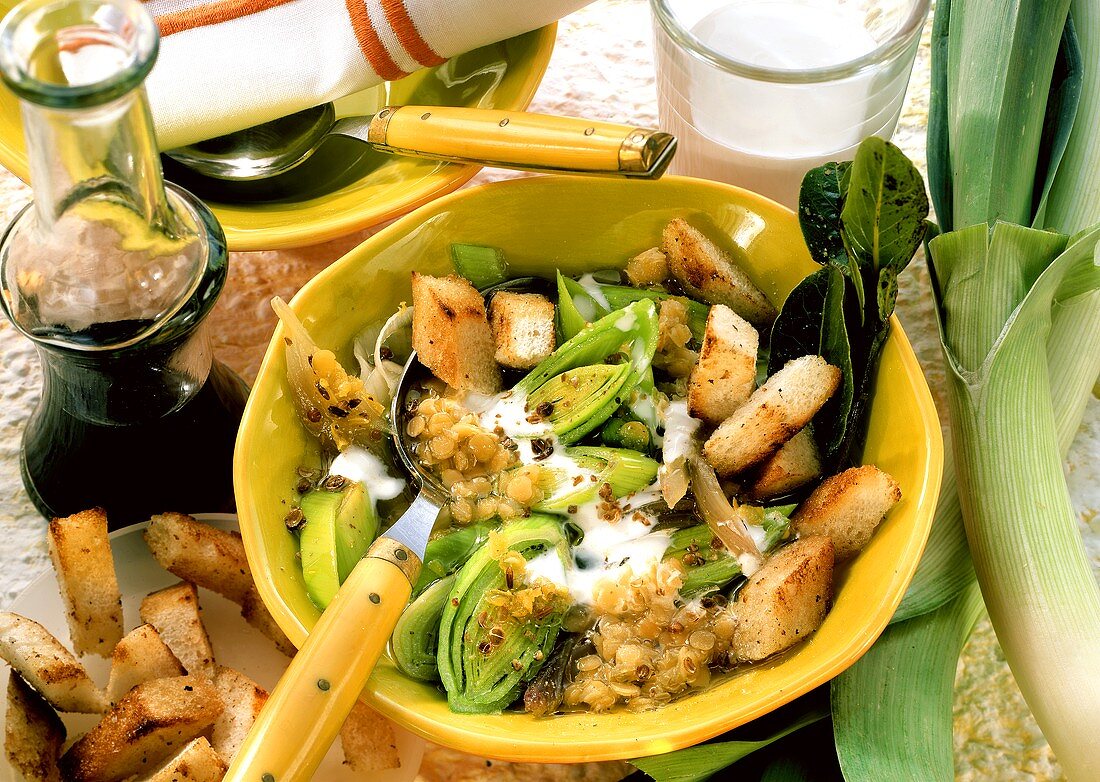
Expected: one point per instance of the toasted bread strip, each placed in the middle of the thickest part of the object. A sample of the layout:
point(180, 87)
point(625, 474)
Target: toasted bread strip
point(795, 464)
point(775, 413)
point(370, 743)
point(47, 666)
point(451, 333)
point(174, 612)
point(154, 721)
point(256, 614)
point(243, 699)
point(785, 600)
point(847, 508)
point(197, 762)
point(725, 376)
point(523, 328)
point(200, 553)
point(140, 656)
point(33, 733)
point(85, 570)
point(708, 272)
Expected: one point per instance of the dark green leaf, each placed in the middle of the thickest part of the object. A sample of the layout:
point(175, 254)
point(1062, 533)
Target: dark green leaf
point(887, 291)
point(1061, 113)
point(820, 201)
point(797, 330)
point(695, 764)
point(939, 145)
point(835, 419)
point(885, 208)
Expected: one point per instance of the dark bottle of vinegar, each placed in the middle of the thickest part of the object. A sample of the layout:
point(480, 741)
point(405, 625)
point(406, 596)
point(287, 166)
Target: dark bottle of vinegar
point(111, 274)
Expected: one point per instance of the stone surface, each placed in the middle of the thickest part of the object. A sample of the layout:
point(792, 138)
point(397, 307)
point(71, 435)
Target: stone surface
point(602, 67)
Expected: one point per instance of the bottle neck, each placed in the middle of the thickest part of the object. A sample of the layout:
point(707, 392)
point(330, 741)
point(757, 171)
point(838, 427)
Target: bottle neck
point(104, 153)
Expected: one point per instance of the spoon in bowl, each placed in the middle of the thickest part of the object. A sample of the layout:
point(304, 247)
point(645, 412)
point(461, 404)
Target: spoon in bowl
point(308, 706)
point(490, 137)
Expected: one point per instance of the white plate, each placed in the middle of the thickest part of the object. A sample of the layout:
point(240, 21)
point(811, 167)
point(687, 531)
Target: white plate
point(236, 643)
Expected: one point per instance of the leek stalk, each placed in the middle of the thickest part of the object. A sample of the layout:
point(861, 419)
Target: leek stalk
point(996, 300)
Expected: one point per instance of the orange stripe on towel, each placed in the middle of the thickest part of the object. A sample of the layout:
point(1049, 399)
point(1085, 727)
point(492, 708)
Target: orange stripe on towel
point(214, 13)
point(407, 34)
point(373, 48)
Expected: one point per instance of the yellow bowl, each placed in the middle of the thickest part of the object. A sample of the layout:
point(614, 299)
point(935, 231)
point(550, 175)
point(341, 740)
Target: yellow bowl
point(576, 225)
point(347, 186)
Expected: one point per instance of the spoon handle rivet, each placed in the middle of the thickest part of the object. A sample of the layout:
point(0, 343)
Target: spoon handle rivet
point(323, 685)
point(504, 122)
point(425, 115)
point(374, 598)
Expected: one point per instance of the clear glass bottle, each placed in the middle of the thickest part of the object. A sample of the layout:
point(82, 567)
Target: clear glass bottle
point(111, 273)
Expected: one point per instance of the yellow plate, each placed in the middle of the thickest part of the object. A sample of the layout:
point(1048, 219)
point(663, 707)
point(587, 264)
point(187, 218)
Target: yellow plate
point(347, 186)
point(576, 225)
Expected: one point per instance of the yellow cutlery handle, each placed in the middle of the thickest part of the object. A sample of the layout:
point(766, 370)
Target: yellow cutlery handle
point(517, 139)
point(313, 698)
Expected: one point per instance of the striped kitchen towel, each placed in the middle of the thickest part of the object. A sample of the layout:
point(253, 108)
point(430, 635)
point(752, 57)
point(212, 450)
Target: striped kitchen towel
point(225, 65)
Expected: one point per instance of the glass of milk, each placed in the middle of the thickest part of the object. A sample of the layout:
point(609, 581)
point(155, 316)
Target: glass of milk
point(761, 91)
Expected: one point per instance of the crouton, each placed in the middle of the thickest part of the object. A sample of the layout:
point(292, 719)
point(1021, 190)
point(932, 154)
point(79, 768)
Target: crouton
point(451, 333)
point(649, 267)
point(707, 272)
point(200, 553)
point(785, 600)
point(243, 699)
point(81, 557)
point(795, 464)
point(47, 666)
point(775, 413)
point(370, 743)
point(155, 720)
point(523, 328)
point(33, 734)
point(847, 508)
point(725, 376)
point(197, 762)
point(174, 612)
point(140, 656)
point(256, 614)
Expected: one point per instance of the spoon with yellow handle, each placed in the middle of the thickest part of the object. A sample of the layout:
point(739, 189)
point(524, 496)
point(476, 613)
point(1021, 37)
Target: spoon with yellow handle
point(491, 137)
point(308, 706)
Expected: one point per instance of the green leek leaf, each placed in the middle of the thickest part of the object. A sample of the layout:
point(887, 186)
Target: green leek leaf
point(696, 764)
point(892, 709)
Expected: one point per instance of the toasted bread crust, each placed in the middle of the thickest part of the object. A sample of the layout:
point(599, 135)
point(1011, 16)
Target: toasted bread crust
point(785, 600)
point(197, 762)
point(725, 376)
point(200, 553)
point(775, 413)
point(847, 508)
point(243, 699)
point(33, 733)
point(139, 657)
point(707, 272)
point(795, 464)
point(47, 666)
point(174, 612)
point(523, 328)
point(151, 723)
point(370, 743)
point(85, 571)
point(256, 614)
point(451, 333)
